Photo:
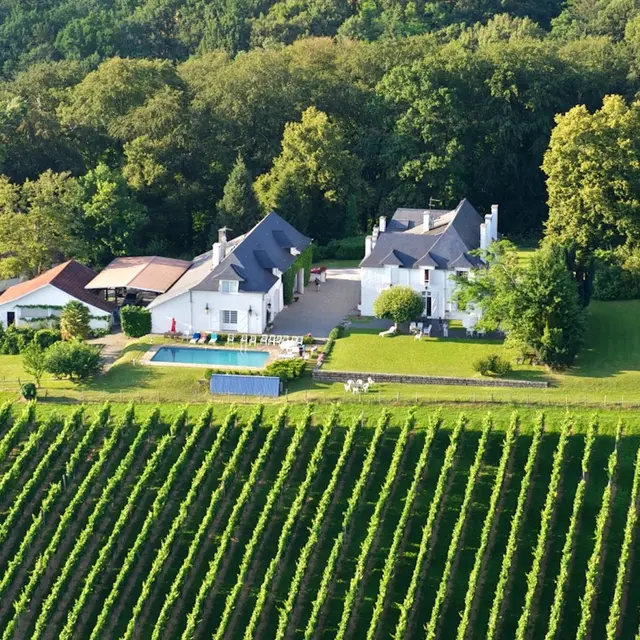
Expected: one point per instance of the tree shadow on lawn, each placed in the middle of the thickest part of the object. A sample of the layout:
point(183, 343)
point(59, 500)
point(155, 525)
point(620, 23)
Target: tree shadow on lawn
point(122, 377)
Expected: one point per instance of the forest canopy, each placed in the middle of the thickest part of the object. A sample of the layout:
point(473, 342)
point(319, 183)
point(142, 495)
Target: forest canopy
point(139, 127)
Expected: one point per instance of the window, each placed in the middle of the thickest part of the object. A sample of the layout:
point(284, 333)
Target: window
point(228, 286)
point(425, 275)
point(229, 317)
point(462, 273)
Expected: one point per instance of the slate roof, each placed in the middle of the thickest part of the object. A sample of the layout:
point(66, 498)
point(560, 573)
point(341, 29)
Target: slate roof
point(445, 246)
point(249, 260)
point(70, 277)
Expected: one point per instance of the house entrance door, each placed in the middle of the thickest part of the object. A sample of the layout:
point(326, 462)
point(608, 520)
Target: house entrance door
point(427, 303)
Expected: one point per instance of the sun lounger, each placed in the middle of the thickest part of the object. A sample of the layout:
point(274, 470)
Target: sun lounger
point(213, 338)
point(203, 338)
point(195, 338)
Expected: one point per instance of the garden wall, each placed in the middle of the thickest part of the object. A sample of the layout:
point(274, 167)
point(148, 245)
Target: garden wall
point(342, 376)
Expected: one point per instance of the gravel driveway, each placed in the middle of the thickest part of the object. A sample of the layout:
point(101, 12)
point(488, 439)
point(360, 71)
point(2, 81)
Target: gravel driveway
point(318, 313)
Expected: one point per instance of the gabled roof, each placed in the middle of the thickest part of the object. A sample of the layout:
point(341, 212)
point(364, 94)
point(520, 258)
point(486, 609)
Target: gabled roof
point(250, 260)
point(465, 261)
point(452, 234)
point(393, 259)
point(70, 277)
point(144, 273)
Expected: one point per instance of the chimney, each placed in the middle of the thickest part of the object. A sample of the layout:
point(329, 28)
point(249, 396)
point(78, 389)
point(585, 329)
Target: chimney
point(383, 224)
point(488, 221)
point(426, 220)
point(483, 237)
point(494, 221)
point(220, 247)
point(368, 245)
point(374, 236)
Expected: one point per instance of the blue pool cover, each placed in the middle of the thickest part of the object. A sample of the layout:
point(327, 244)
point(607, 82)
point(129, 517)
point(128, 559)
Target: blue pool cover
point(223, 383)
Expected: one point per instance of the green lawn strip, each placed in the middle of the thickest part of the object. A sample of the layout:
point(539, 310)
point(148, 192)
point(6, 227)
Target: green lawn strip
point(571, 540)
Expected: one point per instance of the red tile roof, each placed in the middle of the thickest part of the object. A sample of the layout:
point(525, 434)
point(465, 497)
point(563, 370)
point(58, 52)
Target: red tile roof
point(70, 277)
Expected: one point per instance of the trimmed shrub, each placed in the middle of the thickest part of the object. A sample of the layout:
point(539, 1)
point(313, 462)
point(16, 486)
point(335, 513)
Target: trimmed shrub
point(16, 339)
point(492, 364)
point(44, 338)
point(344, 249)
point(136, 321)
point(399, 304)
point(28, 390)
point(75, 360)
point(307, 339)
point(74, 321)
point(286, 370)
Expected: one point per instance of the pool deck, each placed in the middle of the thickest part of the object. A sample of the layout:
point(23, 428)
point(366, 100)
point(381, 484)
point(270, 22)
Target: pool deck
point(147, 358)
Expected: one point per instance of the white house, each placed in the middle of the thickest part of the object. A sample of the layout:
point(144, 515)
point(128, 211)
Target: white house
point(235, 287)
point(426, 249)
point(37, 302)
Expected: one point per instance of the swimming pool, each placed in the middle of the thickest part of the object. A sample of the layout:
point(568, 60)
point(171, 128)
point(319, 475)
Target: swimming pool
point(211, 357)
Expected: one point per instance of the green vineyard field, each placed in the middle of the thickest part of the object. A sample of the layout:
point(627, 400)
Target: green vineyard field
point(242, 525)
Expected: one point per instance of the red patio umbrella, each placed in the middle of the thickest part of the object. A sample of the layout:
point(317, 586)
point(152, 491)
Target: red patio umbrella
point(173, 325)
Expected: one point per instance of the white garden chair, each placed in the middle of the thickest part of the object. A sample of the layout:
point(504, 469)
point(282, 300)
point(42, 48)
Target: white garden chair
point(412, 327)
point(253, 340)
point(418, 336)
point(272, 339)
point(244, 339)
point(264, 339)
point(427, 331)
point(470, 333)
point(347, 387)
point(231, 337)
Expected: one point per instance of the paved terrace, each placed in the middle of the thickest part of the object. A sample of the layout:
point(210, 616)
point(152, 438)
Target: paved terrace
point(318, 313)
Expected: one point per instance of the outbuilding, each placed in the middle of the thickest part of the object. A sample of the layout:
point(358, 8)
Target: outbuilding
point(38, 302)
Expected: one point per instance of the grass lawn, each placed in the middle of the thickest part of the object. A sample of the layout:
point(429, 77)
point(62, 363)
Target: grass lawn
point(607, 374)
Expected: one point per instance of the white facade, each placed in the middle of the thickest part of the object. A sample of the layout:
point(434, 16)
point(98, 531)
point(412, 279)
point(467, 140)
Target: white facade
point(198, 311)
point(437, 292)
point(33, 310)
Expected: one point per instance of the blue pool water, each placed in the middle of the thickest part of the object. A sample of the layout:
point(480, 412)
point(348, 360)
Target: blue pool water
point(211, 357)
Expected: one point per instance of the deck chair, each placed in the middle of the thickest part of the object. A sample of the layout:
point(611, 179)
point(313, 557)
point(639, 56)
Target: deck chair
point(195, 338)
point(264, 339)
point(253, 340)
point(213, 338)
point(203, 338)
point(231, 337)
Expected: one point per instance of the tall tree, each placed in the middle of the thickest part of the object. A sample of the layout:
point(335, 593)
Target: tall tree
point(315, 160)
point(536, 305)
point(40, 222)
point(238, 208)
point(593, 179)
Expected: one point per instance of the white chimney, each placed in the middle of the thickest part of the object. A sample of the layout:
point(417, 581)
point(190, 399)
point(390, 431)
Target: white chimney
point(374, 236)
point(426, 220)
point(494, 221)
point(216, 254)
point(383, 224)
point(220, 247)
point(368, 245)
point(488, 221)
point(483, 237)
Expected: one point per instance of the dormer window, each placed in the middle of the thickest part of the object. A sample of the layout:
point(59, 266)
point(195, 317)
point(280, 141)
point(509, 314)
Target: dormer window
point(228, 286)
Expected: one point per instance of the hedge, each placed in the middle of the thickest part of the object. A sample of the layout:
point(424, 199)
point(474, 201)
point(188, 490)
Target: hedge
point(136, 321)
point(304, 260)
point(344, 249)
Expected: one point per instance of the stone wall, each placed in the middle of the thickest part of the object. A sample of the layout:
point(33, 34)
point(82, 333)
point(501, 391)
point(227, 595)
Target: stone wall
point(321, 375)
